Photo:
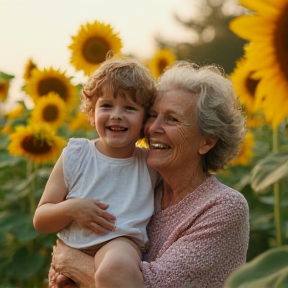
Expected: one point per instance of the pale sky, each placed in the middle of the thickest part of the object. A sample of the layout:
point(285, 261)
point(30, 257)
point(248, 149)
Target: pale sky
point(42, 29)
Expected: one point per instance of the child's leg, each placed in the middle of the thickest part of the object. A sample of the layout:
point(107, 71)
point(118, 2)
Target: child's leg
point(118, 265)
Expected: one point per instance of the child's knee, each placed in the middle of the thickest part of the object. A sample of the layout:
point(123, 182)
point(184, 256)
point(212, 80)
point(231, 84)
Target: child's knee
point(115, 271)
point(109, 272)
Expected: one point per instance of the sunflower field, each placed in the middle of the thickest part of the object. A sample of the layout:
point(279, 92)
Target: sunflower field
point(38, 127)
point(31, 141)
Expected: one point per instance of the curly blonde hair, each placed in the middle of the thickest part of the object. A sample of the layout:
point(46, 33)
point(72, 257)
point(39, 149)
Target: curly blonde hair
point(119, 73)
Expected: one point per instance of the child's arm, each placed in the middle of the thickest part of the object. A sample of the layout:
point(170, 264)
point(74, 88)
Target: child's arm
point(54, 212)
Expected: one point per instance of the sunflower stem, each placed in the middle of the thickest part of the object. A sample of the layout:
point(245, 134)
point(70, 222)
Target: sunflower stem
point(276, 190)
point(32, 202)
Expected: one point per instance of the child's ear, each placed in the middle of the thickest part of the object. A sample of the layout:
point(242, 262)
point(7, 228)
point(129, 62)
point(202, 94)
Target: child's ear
point(207, 144)
point(92, 121)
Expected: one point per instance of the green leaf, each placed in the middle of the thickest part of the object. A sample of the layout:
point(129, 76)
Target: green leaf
point(269, 170)
point(6, 76)
point(20, 225)
point(7, 161)
point(25, 263)
point(269, 270)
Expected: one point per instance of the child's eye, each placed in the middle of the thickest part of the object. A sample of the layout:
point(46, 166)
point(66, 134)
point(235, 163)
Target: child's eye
point(130, 108)
point(105, 105)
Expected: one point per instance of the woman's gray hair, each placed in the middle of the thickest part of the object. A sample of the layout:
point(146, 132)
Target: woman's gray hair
point(219, 114)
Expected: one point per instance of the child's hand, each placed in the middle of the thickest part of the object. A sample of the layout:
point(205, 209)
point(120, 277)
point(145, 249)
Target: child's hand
point(91, 214)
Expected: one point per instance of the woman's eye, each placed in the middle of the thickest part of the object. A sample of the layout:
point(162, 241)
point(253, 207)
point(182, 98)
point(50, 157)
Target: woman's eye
point(171, 119)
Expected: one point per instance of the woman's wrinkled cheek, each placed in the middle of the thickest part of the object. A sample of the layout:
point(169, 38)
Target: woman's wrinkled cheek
point(185, 138)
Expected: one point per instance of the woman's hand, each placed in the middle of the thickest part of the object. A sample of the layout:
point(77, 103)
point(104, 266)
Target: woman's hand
point(69, 263)
point(92, 215)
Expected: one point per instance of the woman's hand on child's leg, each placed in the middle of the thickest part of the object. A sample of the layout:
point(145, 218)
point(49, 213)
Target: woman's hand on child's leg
point(57, 280)
point(70, 263)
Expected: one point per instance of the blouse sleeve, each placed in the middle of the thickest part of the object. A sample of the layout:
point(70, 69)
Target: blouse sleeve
point(206, 252)
point(72, 159)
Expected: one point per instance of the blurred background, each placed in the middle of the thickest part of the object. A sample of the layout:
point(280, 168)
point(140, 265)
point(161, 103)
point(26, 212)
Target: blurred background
point(42, 30)
point(39, 42)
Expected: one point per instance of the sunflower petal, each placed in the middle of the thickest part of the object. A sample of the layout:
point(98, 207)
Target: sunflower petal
point(249, 27)
point(264, 8)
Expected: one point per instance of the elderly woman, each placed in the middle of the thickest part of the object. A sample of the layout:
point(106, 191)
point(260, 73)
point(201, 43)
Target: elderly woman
point(199, 231)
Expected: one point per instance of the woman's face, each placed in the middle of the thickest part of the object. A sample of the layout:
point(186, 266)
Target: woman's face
point(172, 131)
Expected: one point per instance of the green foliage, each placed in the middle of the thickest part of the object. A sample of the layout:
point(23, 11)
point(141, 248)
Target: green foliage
point(269, 170)
point(6, 76)
point(23, 251)
point(25, 254)
point(267, 264)
point(269, 270)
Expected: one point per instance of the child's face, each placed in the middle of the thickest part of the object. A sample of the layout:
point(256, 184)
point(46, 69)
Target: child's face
point(118, 122)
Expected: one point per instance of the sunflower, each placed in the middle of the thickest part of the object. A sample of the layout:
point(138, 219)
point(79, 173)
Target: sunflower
point(80, 122)
point(271, 95)
point(16, 112)
point(43, 82)
point(161, 59)
point(91, 45)
point(267, 30)
point(142, 143)
point(7, 129)
point(4, 87)
point(36, 142)
point(245, 154)
point(245, 85)
point(29, 67)
point(254, 120)
point(49, 109)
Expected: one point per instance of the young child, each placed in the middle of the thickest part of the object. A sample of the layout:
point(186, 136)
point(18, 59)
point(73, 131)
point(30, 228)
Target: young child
point(110, 169)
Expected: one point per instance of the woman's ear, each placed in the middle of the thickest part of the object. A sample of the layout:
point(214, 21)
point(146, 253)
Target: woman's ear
point(207, 144)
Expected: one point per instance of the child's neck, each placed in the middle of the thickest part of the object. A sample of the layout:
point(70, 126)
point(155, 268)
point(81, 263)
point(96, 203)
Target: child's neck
point(115, 152)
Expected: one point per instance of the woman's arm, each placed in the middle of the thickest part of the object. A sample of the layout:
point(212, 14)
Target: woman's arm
point(201, 253)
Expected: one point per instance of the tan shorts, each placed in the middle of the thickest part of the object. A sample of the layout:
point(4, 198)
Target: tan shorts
point(92, 250)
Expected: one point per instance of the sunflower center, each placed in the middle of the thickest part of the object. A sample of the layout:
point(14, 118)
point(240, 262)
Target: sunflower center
point(95, 50)
point(50, 113)
point(53, 85)
point(162, 65)
point(281, 42)
point(35, 146)
point(251, 84)
point(3, 85)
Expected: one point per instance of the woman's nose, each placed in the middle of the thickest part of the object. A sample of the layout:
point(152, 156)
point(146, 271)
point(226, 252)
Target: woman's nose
point(154, 125)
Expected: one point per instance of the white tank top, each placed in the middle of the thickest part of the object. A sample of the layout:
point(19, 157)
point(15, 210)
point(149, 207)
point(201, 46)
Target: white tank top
point(127, 185)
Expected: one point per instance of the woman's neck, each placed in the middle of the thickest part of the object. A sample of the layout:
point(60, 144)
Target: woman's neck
point(177, 187)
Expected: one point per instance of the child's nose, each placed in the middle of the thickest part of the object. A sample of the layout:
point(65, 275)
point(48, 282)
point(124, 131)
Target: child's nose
point(116, 113)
